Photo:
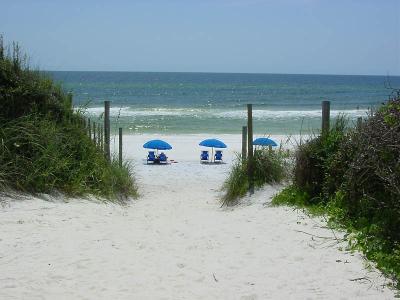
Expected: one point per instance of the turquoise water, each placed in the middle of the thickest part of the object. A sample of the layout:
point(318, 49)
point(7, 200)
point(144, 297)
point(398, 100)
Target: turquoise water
point(216, 102)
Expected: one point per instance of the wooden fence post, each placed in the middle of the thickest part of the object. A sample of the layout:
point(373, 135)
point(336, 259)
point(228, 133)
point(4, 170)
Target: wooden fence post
point(69, 99)
point(94, 133)
point(102, 137)
point(250, 167)
point(326, 110)
point(98, 136)
point(107, 130)
point(359, 122)
point(89, 129)
point(120, 147)
point(244, 143)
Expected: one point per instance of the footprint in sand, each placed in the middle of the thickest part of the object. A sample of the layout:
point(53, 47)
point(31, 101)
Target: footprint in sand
point(298, 258)
point(200, 279)
point(249, 297)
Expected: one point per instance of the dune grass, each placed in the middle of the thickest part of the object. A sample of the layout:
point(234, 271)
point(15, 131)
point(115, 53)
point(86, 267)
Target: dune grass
point(44, 146)
point(269, 167)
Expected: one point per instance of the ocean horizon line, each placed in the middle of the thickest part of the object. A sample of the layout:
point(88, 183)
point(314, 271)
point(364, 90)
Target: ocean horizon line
point(222, 73)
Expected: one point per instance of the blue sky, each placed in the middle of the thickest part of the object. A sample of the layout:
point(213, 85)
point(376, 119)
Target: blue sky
point(286, 36)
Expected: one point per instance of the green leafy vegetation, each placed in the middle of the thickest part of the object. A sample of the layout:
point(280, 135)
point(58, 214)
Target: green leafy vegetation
point(353, 176)
point(44, 146)
point(270, 166)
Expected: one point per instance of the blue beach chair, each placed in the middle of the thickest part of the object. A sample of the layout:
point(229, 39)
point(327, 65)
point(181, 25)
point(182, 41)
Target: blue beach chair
point(151, 157)
point(162, 157)
point(218, 156)
point(204, 156)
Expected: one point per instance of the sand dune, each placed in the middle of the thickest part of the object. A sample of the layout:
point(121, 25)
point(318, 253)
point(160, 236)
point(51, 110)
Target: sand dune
point(175, 242)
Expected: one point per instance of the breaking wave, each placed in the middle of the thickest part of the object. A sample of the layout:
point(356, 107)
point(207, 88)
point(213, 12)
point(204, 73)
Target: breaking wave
point(218, 113)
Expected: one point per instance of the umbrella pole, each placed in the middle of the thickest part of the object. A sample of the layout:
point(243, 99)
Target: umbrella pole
point(212, 154)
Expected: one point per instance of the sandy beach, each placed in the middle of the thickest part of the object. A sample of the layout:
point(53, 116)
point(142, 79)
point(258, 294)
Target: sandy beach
point(175, 241)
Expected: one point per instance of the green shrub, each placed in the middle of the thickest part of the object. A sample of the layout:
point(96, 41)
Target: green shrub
point(371, 183)
point(312, 158)
point(354, 177)
point(294, 196)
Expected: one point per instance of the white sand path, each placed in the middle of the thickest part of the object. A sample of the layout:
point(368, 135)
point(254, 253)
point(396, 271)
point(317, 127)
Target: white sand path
point(175, 242)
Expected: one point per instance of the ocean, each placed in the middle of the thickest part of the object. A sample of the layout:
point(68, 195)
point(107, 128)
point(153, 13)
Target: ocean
point(175, 103)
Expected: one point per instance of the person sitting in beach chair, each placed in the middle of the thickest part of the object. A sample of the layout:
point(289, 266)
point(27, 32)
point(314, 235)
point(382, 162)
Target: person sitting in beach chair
point(151, 157)
point(162, 157)
point(204, 156)
point(218, 156)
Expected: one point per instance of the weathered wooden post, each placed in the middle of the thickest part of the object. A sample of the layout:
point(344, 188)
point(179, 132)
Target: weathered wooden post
point(120, 147)
point(70, 105)
point(244, 143)
point(250, 167)
point(107, 130)
point(102, 137)
point(359, 122)
point(69, 99)
point(98, 136)
point(99, 133)
point(89, 129)
point(326, 110)
point(94, 133)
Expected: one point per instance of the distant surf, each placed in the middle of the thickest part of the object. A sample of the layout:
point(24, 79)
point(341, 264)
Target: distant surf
point(218, 113)
point(216, 103)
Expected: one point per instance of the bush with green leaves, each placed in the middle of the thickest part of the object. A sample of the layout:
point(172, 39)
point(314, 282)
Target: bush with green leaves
point(353, 175)
point(314, 160)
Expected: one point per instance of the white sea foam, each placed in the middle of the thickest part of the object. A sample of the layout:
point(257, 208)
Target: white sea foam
point(288, 114)
point(114, 111)
point(127, 112)
point(218, 113)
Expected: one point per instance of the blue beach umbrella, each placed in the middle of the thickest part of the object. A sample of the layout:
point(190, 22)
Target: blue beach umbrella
point(264, 142)
point(157, 144)
point(213, 143)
